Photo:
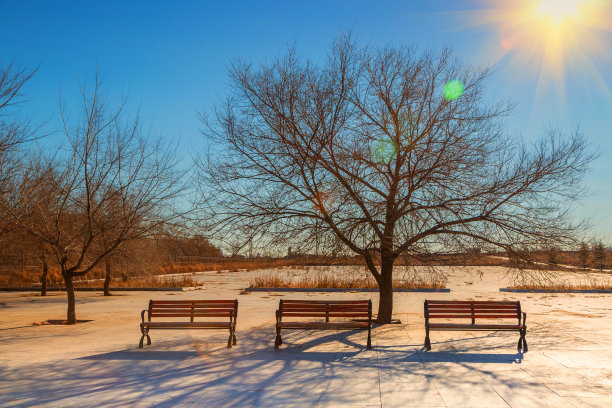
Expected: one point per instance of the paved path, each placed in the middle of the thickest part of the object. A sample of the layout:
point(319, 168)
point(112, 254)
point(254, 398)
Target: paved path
point(98, 363)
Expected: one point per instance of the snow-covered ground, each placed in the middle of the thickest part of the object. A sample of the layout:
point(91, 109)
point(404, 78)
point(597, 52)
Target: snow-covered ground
point(98, 363)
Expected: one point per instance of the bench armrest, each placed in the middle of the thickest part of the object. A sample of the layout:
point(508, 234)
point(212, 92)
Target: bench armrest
point(142, 315)
point(279, 316)
point(524, 317)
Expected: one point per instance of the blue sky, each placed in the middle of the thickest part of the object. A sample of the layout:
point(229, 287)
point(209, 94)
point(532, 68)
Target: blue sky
point(170, 59)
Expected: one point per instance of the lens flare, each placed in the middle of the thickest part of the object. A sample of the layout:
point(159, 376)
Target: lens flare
point(383, 151)
point(453, 90)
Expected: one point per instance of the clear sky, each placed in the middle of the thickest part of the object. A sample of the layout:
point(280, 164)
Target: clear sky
point(552, 57)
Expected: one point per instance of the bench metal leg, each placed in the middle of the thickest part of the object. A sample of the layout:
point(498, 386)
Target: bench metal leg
point(232, 337)
point(278, 341)
point(522, 343)
point(427, 342)
point(145, 333)
point(369, 345)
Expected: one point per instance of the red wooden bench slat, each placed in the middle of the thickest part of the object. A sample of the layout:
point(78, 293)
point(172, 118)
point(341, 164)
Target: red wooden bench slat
point(192, 301)
point(481, 306)
point(330, 314)
point(471, 301)
point(466, 316)
point(323, 326)
point(187, 324)
point(192, 304)
point(468, 327)
point(289, 301)
point(153, 310)
point(330, 307)
point(476, 311)
point(190, 315)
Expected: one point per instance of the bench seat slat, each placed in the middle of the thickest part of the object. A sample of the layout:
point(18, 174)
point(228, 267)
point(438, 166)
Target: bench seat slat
point(476, 302)
point(195, 325)
point(322, 309)
point(473, 316)
point(195, 306)
point(189, 310)
point(320, 325)
point(330, 314)
point(331, 302)
point(468, 307)
point(475, 326)
point(169, 302)
point(189, 315)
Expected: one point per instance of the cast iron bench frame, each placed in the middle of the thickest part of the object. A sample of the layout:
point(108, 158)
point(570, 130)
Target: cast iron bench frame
point(190, 309)
point(466, 309)
point(324, 309)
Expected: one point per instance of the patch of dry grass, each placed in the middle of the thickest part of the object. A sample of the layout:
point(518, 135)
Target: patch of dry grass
point(230, 264)
point(562, 287)
point(325, 281)
point(154, 282)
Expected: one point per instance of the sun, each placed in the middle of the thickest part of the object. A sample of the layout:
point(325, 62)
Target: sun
point(548, 39)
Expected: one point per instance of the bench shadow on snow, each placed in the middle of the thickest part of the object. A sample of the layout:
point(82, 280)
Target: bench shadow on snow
point(196, 367)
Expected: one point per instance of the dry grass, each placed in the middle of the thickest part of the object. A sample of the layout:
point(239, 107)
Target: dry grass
point(24, 279)
point(562, 287)
point(149, 282)
point(230, 264)
point(323, 280)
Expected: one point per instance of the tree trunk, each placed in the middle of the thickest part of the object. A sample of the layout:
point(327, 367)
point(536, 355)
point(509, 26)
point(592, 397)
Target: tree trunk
point(71, 313)
point(107, 279)
point(385, 289)
point(43, 276)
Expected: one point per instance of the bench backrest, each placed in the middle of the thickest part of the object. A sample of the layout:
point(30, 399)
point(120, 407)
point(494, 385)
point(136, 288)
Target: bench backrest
point(466, 309)
point(325, 308)
point(193, 308)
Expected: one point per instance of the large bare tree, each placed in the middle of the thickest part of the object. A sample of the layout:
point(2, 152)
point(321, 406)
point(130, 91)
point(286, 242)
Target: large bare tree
point(108, 184)
point(387, 150)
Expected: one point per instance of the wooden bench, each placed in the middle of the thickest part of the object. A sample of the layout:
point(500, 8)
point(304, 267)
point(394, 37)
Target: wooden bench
point(324, 309)
point(472, 310)
point(174, 313)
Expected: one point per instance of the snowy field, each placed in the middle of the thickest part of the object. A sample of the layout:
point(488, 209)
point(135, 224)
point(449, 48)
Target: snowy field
point(98, 363)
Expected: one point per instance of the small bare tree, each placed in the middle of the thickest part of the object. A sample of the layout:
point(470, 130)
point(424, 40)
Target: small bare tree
point(110, 183)
point(599, 255)
point(386, 150)
point(583, 255)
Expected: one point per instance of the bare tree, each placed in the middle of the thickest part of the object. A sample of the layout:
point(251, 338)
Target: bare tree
point(599, 255)
point(110, 183)
point(583, 255)
point(369, 149)
point(13, 132)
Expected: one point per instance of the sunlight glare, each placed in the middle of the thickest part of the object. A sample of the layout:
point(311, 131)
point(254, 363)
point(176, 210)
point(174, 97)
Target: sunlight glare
point(549, 40)
point(558, 10)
